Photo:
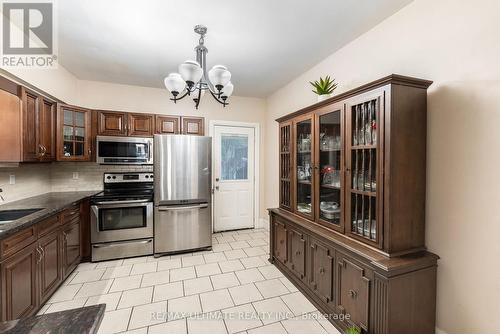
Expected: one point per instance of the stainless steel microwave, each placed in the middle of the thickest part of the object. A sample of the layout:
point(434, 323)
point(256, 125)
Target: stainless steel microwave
point(124, 150)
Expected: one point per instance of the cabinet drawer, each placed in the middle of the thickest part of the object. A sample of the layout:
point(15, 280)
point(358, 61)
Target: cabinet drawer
point(48, 225)
point(297, 252)
point(353, 291)
point(71, 214)
point(17, 242)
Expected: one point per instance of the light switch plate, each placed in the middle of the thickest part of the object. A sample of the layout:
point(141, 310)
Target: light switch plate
point(75, 175)
point(12, 179)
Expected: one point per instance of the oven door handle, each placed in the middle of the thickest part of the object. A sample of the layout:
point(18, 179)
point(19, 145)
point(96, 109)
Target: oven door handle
point(123, 202)
point(178, 208)
point(121, 243)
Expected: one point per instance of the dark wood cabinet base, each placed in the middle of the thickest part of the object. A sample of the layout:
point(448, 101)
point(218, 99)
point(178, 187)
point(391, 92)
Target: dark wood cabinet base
point(352, 283)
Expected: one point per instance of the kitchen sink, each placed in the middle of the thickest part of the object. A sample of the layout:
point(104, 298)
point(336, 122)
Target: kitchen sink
point(7, 216)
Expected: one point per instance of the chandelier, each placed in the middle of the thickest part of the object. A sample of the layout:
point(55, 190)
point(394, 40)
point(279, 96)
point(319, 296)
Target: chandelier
point(192, 79)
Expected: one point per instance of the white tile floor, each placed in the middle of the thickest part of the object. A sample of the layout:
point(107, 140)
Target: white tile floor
point(231, 289)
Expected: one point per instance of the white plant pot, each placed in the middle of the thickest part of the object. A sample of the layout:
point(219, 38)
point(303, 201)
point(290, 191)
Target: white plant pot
point(324, 97)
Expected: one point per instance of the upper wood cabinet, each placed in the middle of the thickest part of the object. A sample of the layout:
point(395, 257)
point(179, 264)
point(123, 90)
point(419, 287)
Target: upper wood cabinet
point(31, 114)
point(10, 127)
point(47, 129)
point(356, 164)
point(141, 125)
point(73, 133)
point(114, 123)
point(193, 126)
point(38, 127)
point(168, 125)
point(111, 123)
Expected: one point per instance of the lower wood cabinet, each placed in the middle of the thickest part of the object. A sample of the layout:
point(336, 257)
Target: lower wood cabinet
point(297, 252)
point(322, 271)
point(49, 264)
point(353, 283)
point(29, 274)
point(353, 291)
point(279, 241)
point(20, 283)
point(71, 247)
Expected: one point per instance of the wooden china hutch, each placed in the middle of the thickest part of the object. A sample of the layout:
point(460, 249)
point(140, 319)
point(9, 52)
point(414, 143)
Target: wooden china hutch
point(350, 229)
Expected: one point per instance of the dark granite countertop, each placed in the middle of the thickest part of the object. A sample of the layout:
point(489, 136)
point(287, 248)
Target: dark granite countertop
point(51, 203)
point(84, 320)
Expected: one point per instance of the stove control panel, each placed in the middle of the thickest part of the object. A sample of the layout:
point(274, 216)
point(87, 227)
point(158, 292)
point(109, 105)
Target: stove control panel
point(128, 177)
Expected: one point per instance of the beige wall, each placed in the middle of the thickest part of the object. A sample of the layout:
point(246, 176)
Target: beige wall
point(454, 43)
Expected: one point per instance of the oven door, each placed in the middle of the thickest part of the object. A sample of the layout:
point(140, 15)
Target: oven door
point(124, 150)
point(121, 220)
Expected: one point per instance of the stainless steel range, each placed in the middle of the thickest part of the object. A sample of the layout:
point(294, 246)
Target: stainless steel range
point(122, 217)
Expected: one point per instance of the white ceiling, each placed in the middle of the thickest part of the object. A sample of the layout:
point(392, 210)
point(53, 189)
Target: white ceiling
point(264, 43)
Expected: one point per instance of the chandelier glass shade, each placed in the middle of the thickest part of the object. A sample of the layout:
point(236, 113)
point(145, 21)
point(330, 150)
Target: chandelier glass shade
point(193, 79)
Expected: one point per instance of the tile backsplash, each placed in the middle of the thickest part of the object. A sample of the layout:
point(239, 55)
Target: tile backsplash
point(36, 179)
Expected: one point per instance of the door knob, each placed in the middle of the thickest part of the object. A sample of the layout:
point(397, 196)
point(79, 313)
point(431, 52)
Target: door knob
point(217, 179)
point(216, 187)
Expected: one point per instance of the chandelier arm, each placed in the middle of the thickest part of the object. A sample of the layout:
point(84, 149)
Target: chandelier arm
point(217, 98)
point(175, 99)
point(199, 98)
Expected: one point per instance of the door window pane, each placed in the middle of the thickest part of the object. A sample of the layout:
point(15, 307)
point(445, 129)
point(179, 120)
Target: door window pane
point(234, 157)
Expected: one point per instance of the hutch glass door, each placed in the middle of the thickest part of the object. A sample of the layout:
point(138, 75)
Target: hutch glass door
point(363, 156)
point(285, 165)
point(304, 166)
point(330, 156)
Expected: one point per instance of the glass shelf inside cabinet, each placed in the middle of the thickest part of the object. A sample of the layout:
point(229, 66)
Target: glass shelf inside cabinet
point(364, 169)
point(304, 166)
point(330, 144)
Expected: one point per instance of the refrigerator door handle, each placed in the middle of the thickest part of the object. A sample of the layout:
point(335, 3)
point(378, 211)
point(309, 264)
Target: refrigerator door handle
point(179, 208)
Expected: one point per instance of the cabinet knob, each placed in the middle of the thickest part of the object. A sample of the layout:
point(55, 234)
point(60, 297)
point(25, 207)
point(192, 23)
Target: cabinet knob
point(321, 270)
point(282, 241)
point(353, 294)
point(297, 253)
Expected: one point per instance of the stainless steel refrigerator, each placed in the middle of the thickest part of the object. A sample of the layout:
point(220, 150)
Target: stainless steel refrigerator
point(182, 193)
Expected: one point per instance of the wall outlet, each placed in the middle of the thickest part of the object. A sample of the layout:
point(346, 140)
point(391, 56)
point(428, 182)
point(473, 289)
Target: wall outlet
point(75, 175)
point(12, 179)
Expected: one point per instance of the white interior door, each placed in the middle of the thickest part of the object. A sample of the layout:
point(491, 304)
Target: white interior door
point(234, 181)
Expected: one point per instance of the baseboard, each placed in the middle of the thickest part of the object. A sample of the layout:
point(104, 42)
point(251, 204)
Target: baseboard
point(263, 223)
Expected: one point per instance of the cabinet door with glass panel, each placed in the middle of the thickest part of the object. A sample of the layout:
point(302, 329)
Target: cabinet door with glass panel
point(304, 165)
point(330, 160)
point(286, 171)
point(364, 158)
point(73, 133)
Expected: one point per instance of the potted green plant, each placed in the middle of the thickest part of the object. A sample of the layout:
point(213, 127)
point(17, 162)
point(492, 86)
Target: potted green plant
point(352, 330)
point(324, 87)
